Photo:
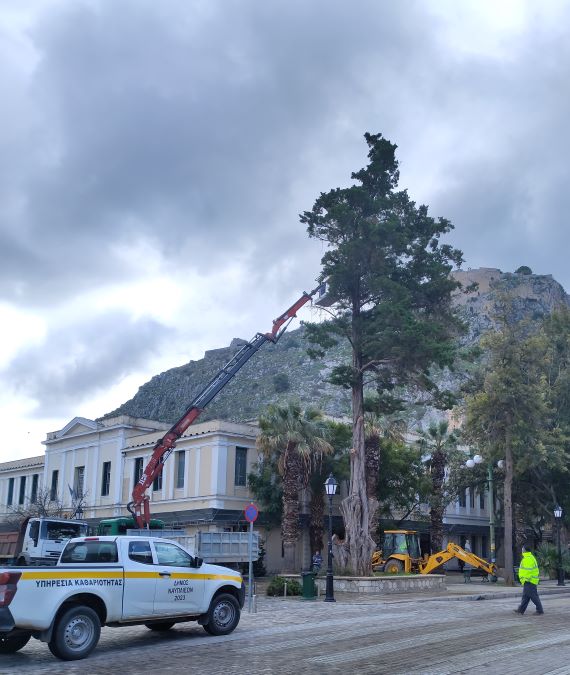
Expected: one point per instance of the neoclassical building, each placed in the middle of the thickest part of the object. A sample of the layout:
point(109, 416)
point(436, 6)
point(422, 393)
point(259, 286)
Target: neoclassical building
point(204, 478)
point(203, 484)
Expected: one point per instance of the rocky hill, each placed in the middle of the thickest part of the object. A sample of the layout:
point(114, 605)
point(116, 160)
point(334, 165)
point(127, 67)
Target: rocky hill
point(281, 372)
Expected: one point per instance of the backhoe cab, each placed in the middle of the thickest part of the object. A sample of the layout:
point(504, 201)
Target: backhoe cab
point(401, 553)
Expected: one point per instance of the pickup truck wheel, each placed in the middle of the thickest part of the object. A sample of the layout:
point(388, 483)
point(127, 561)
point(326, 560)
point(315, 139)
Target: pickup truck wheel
point(76, 634)
point(223, 615)
point(162, 626)
point(12, 643)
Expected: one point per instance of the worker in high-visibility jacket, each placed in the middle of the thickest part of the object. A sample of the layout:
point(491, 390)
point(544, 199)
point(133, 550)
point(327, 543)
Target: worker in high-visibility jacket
point(529, 577)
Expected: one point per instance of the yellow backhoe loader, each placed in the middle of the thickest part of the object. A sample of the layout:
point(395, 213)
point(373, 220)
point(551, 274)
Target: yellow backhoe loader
point(401, 553)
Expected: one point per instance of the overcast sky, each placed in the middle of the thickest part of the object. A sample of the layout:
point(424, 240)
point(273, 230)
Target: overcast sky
point(154, 158)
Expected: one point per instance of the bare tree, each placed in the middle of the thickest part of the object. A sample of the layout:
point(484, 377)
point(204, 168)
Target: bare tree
point(43, 506)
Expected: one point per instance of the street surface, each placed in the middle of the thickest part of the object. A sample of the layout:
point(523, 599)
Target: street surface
point(357, 634)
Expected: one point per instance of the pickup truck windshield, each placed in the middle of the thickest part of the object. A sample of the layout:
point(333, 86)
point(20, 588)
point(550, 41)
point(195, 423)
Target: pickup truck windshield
point(90, 552)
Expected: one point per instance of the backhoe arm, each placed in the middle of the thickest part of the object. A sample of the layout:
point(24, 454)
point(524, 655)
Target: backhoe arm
point(434, 561)
point(454, 551)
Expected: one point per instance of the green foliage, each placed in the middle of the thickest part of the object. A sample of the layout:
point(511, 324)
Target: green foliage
point(539, 485)
point(513, 415)
point(276, 587)
point(403, 483)
point(267, 489)
point(287, 431)
point(266, 482)
point(511, 399)
point(547, 558)
point(523, 269)
point(530, 375)
point(439, 446)
point(389, 275)
point(293, 441)
point(281, 383)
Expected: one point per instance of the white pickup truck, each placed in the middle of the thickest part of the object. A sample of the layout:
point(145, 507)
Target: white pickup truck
point(114, 581)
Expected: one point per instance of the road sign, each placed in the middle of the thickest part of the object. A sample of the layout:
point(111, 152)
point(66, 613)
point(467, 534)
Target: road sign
point(251, 513)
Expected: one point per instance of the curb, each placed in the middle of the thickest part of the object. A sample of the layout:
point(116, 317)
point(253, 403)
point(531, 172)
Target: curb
point(498, 596)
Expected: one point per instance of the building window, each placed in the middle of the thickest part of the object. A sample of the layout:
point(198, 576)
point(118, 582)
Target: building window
point(138, 470)
point(34, 494)
point(180, 468)
point(463, 498)
point(54, 481)
point(482, 499)
point(79, 481)
point(22, 494)
point(157, 483)
point(106, 479)
point(472, 497)
point(241, 467)
point(483, 546)
point(10, 491)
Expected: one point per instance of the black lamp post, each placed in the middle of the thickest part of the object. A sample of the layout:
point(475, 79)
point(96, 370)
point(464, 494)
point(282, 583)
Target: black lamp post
point(330, 488)
point(558, 517)
point(79, 512)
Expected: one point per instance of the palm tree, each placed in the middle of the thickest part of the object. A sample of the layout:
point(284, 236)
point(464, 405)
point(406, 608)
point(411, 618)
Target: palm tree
point(439, 443)
point(298, 439)
point(339, 436)
point(377, 430)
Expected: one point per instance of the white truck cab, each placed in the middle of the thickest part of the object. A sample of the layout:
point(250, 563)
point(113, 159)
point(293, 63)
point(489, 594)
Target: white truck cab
point(45, 538)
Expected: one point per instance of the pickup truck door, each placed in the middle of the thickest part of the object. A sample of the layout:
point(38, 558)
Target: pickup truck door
point(140, 580)
point(180, 586)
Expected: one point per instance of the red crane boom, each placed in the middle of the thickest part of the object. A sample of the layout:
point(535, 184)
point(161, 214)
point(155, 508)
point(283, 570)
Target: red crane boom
point(139, 506)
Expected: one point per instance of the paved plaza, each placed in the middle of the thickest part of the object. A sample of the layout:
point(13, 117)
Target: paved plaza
point(432, 634)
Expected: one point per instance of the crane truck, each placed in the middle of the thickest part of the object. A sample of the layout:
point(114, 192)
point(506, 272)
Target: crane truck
point(139, 505)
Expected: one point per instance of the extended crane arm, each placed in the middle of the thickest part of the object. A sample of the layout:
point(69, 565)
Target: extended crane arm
point(454, 551)
point(139, 506)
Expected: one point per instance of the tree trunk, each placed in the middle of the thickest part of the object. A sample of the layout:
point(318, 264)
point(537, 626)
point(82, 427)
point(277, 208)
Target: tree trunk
point(438, 462)
point(355, 553)
point(508, 497)
point(317, 520)
point(372, 471)
point(519, 529)
point(290, 522)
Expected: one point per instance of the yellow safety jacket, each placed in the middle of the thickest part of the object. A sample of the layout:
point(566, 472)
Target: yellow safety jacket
point(528, 570)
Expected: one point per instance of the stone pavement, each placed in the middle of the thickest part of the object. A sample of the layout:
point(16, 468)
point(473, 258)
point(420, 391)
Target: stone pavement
point(393, 635)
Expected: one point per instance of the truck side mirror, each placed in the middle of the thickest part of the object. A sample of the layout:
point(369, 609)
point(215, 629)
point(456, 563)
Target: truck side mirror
point(198, 562)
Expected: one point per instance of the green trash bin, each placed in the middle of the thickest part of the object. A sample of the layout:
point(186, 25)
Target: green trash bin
point(309, 588)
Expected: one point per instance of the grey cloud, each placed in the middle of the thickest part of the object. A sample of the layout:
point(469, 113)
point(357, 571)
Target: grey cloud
point(207, 127)
point(77, 362)
point(186, 125)
point(509, 197)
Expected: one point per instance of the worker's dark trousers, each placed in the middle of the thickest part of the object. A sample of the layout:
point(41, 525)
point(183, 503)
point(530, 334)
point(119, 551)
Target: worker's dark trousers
point(530, 592)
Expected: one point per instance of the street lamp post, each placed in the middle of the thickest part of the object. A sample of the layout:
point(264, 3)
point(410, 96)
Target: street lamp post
point(558, 518)
point(330, 488)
